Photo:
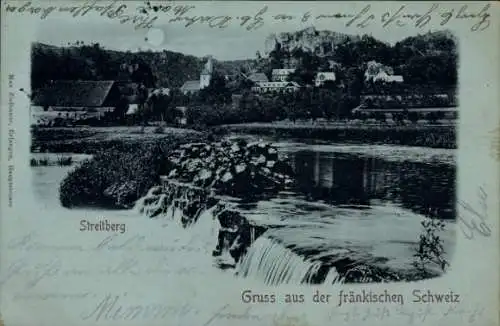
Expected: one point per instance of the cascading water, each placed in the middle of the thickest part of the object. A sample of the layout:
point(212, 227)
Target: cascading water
point(230, 238)
point(333, 277)
point(269, 261)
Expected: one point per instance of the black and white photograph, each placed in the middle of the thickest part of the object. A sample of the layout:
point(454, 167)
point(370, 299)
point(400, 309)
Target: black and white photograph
point(306, 156)
point(249, 163)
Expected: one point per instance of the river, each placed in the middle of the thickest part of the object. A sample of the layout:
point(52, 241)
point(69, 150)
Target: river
point(359, 201)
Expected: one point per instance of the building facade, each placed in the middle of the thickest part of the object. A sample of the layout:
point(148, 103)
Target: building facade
point(322, 77)
point(281, 75)
point(277, 87)
point(193, 86)
point(206, 74)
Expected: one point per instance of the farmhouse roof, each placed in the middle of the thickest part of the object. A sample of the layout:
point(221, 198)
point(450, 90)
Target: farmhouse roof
point(258, 77)
point(191, 85)
point(282, 71)
point(74, 93)
point(278, 84)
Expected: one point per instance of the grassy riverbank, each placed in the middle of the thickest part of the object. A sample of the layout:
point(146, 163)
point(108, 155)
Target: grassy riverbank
point(126, 162)
point(90, 140)
point(426, 135)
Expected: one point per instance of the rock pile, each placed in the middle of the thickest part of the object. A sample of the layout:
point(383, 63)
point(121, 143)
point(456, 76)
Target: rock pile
point(231, 168)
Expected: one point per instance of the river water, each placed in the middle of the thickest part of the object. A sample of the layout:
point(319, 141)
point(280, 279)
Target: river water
point(360, 201)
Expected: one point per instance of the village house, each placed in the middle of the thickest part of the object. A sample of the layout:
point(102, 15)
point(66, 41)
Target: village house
point(281, 75)
point(280, 87)
point(193, 86)
point(322, 77)
point(159, 91)
point(377, 72)
point(76, 99)
point(181, 117)
point(385, 77)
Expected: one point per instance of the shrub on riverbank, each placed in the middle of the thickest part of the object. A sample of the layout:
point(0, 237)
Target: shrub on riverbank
point(118, 176)
point(46, 161)
point(430, 251)
point(435, 136)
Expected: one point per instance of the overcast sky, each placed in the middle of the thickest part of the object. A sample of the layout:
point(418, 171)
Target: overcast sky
point(233, 42)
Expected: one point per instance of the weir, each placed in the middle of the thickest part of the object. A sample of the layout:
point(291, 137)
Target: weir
point(208, 190)
point(270, 261)
point(239, 243)
point(194, 208)
point(248, 247)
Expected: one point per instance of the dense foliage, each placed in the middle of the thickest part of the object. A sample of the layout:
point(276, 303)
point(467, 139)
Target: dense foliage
point(117, 176)
point(93, 62)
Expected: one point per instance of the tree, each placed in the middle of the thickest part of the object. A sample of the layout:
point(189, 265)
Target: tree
point(329, 84)
point(276, 57)
point(121, 109)
point(413, 116)
point(216, 92)
point(354, 81)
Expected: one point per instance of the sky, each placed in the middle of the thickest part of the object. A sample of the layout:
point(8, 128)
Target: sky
point(230, 43)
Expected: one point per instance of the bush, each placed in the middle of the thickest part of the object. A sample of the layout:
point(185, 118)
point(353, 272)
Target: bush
point(430, 249)
point(112, 179)
point(159, 130)
point(116, 177)
point(46, 161)
point(39, 162)
point(413, 116)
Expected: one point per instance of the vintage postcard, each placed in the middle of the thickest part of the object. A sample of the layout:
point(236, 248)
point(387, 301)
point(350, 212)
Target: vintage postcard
point(234, 163)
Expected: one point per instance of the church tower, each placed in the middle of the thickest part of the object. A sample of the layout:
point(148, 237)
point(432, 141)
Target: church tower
point(206, 74)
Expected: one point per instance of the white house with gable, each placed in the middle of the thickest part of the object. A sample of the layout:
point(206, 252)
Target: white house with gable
point(280, 87)
point(322, 77)
point(385, 77)
point(378, 72)
point(281, 75)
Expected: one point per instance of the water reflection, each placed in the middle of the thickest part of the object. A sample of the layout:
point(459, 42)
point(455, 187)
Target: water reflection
point(347, 179)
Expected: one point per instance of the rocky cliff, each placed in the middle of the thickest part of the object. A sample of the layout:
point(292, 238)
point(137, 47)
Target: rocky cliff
point(321, 43)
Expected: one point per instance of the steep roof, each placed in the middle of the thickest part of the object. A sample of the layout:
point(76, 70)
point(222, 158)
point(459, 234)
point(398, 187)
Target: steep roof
point(258, 77)
point(191, 85)
point(389, 78)
point(74, 93)
point(282, 71)
point(278, 84)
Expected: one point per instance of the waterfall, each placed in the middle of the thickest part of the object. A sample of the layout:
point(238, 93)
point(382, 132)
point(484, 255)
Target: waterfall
point(333, 277)
point(207, 226)
point(269, 261)
point(174, 213)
